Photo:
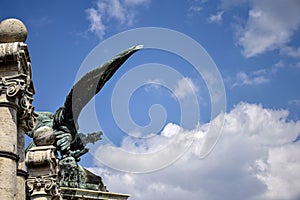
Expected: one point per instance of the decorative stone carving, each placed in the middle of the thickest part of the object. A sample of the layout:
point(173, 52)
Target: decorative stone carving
point(42, 186)
point(16, 111)
point(43, 170)
point(17, 87)
point(17, 84)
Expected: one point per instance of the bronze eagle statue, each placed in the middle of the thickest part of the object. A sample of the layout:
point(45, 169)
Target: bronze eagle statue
point(60, 128)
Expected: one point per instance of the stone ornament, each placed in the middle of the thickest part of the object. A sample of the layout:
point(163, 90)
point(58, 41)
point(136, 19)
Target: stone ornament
point(44, 136)
point(42, 186)
point(12, 30)
point(43, 170)
point(18, 86)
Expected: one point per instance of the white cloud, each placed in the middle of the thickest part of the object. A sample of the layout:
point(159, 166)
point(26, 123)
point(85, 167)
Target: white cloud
point(280, 173)
point(116, 11)
point(279, 65)
point(107, 11)
point(217, 18)
point(96, 24)
point(252, 78)
point(269, 26)
point(254, 159)
point(184, 88)
point(291, 51)
point(151, 153)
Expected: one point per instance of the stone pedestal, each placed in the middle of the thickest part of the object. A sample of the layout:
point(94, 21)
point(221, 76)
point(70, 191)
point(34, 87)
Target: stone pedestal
point(43, 180)
point(16, 111)
point(43, 170)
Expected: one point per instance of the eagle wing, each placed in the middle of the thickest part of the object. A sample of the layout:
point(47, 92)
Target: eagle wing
point(65, 118)
point(92, 82)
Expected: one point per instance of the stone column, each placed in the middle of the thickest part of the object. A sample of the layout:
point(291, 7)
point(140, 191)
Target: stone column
point(8, 148)
point(21, 173)
point(43, 169)
point(16, 111)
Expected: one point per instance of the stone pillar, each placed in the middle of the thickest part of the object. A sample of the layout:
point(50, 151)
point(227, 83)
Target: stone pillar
point(21, 169)
point(8, 148)
point(16, 111)
point(43, 169)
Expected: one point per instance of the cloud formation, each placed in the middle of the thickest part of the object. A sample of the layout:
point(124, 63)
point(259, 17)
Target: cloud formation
point(252, 78)
point(254, 159)
point(107, 11)
point(291, 51)
point(184, 88)
point(270, 25)
point(217, 18)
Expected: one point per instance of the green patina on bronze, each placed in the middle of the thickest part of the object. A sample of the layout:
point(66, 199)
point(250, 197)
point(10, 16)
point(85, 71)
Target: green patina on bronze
point(60, 128)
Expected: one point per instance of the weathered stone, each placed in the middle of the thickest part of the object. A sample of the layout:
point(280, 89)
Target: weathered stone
point(42, 161)
point(43, 170)
point(21, 170)
point(21, 188)
point(7, 178)
point(43, 188)
point(83, 194)
point(8, 128)
point(16, 110)
point(12, 30)
point(44, 136)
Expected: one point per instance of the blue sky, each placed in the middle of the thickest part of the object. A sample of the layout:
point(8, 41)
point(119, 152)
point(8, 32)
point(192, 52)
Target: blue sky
point(255, 46)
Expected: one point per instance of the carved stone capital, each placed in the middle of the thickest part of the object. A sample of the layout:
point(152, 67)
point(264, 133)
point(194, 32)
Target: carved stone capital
point(43, 171)
point(16, 82)
point(16, 52)
point(26, 114)
point(19, 94)
point(43, 186)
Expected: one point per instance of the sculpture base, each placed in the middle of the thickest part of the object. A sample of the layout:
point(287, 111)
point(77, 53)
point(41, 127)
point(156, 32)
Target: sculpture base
point(83, 194)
